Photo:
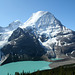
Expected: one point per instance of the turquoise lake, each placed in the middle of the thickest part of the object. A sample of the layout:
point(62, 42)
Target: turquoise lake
point(27, 66)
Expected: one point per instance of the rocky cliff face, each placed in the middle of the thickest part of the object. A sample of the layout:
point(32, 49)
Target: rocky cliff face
point(42, 34)
point(23, 45)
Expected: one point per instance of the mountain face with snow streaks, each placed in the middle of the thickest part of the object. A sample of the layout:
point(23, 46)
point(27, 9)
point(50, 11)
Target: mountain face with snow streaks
point(48, 36)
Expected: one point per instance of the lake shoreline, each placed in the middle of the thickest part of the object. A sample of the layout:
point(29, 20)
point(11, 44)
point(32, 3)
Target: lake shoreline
point(65, 61)
point(26, 66)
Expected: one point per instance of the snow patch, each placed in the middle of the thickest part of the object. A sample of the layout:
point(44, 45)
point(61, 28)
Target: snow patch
point(72, 52)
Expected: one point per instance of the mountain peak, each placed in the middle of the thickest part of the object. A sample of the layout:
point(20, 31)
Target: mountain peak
point(15, 24)
point(16, 21)
point(35, 17)
point(40, 13)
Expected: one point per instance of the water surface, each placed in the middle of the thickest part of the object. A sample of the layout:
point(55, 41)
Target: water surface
point(27, 66)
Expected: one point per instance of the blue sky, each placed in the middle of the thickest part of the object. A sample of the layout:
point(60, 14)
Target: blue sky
point(11, 10)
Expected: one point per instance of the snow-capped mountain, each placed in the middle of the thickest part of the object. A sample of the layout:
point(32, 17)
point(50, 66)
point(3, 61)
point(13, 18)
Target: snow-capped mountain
point(50, 32)
point(5, 32)
point(46, 32)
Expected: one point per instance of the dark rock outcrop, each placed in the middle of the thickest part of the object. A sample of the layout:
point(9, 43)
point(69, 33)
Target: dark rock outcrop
point(23, 46)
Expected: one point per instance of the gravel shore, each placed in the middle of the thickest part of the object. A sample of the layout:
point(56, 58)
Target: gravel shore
point(62, 62)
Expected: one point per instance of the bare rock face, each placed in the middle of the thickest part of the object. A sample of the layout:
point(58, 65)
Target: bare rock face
point(23, 46)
